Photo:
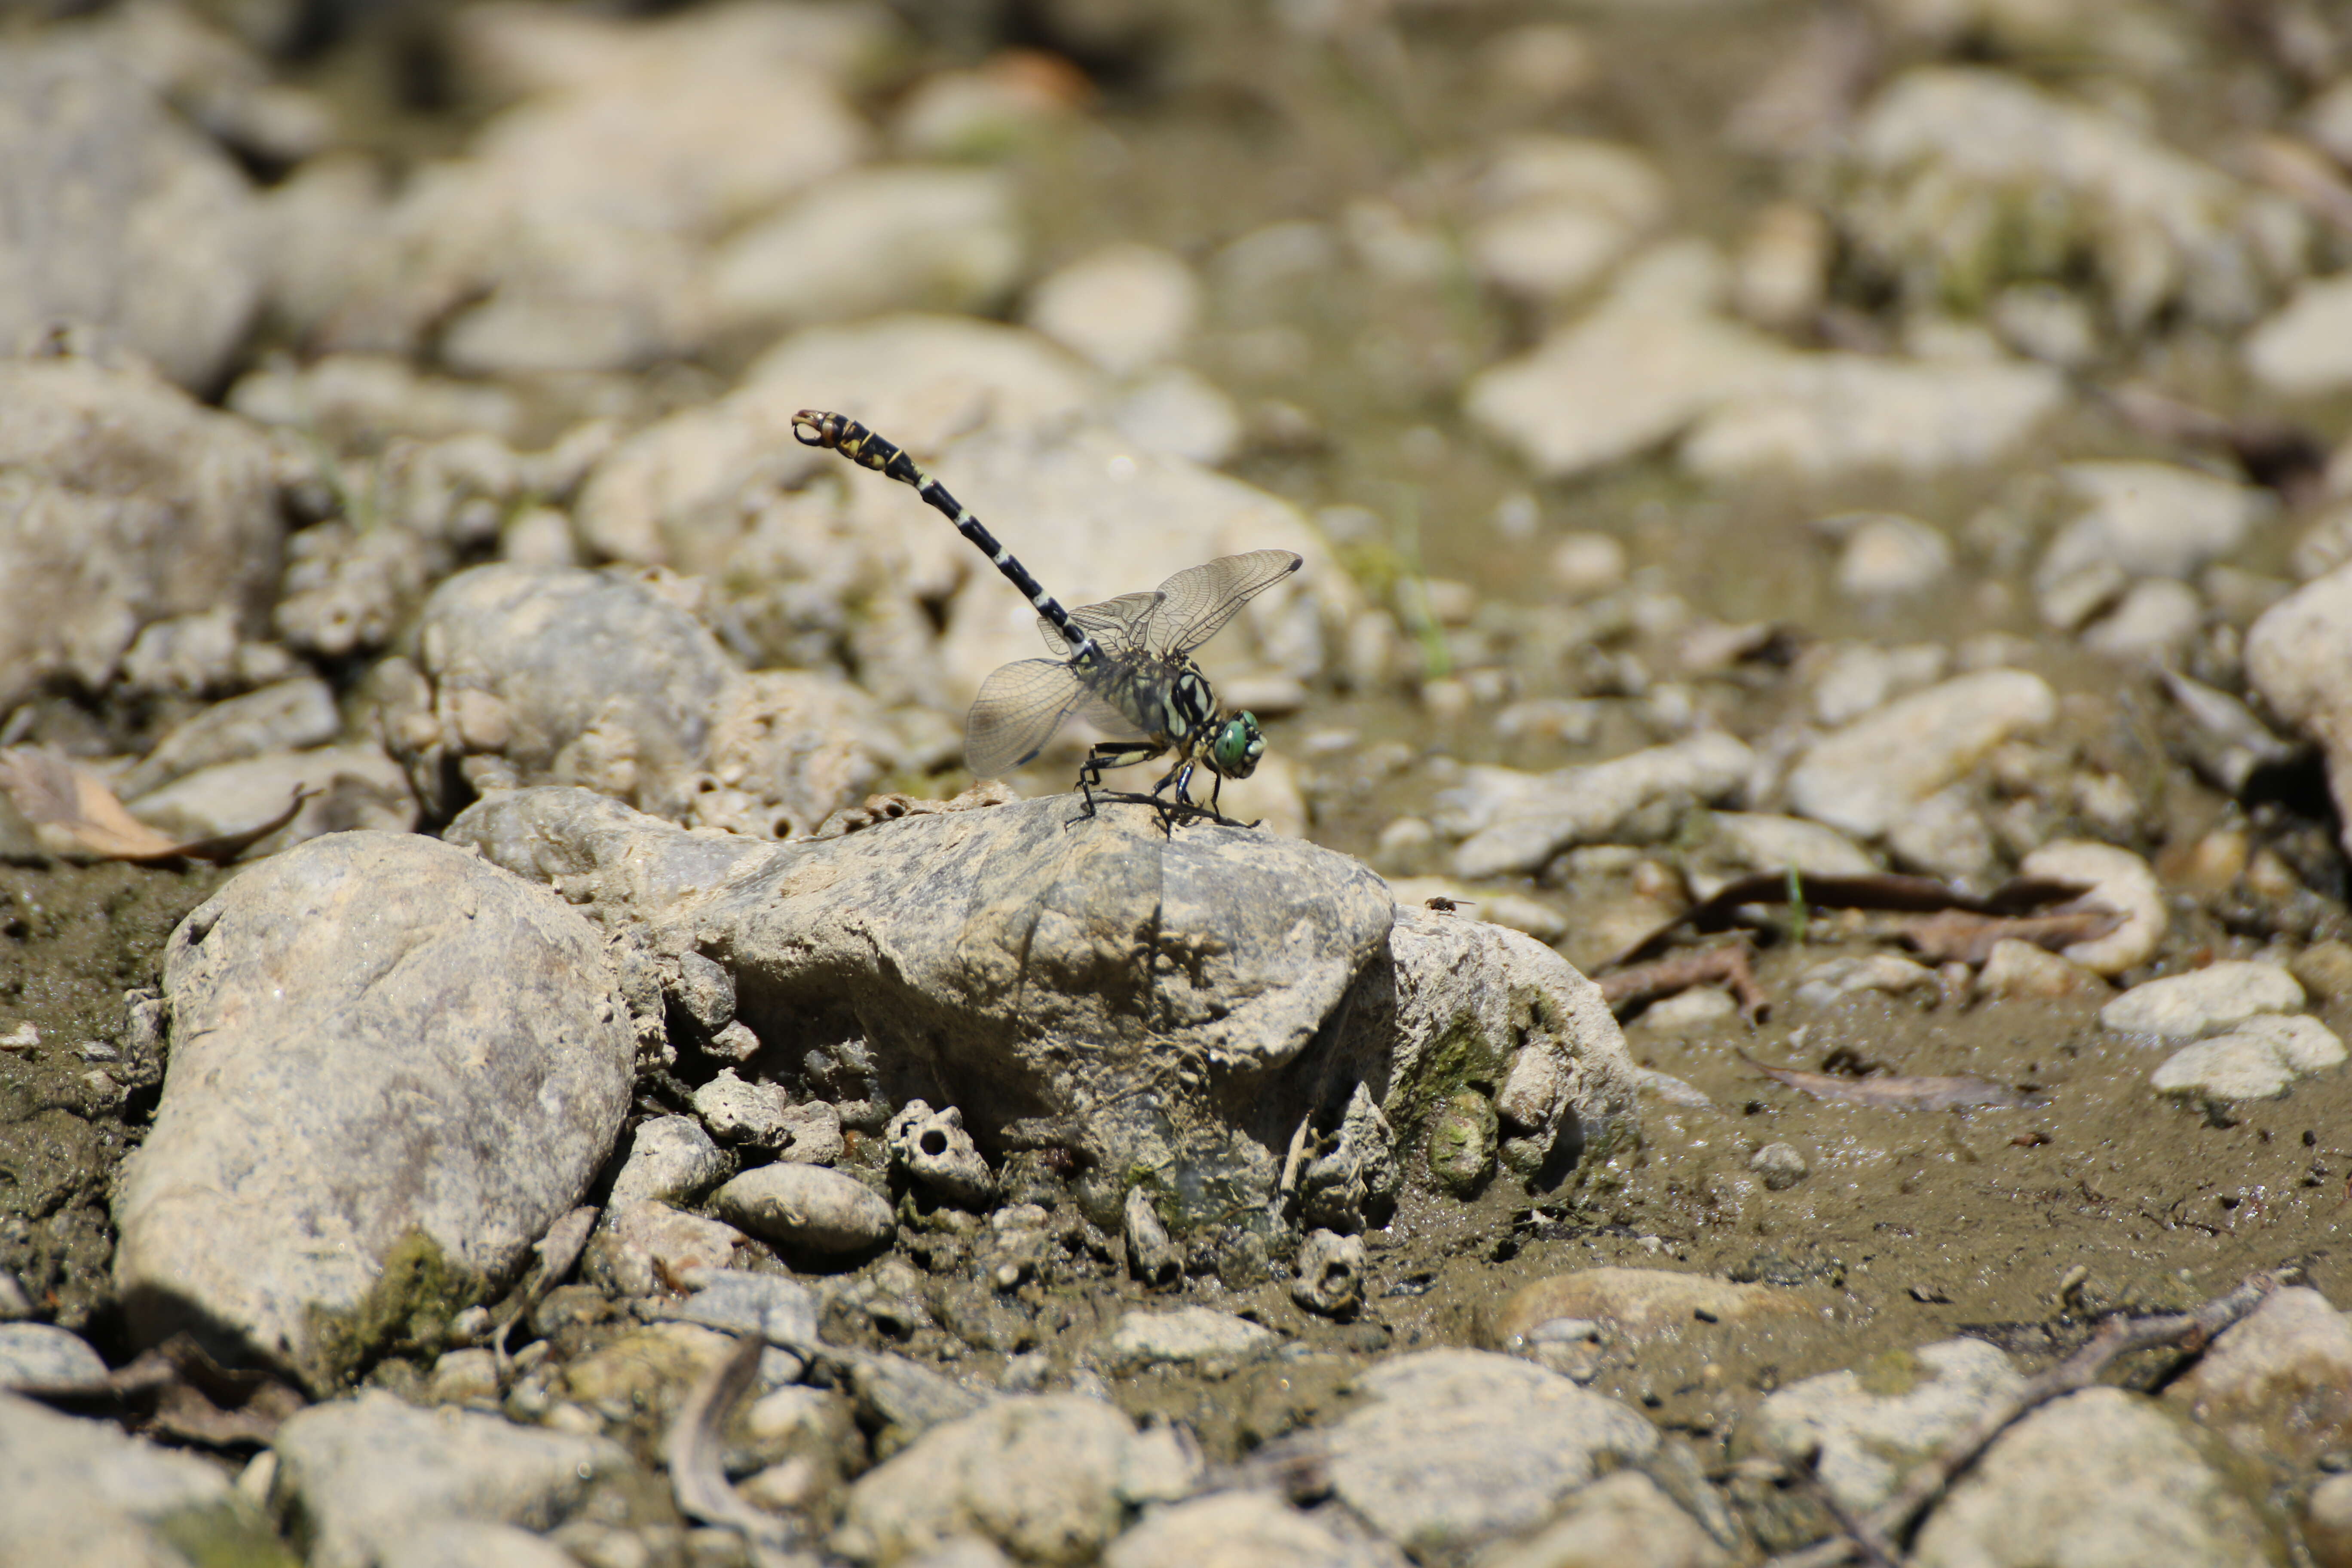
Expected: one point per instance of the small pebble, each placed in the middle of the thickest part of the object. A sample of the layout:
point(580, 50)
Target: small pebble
point(2184, 1006)
point(806, 1206)
point(2017, 968)
point(36, 1355)
point(1584, 565)
point(740, 1112)
point(671, 1158)
point(1124, 307)
point(1404, 845)
point(464, 1378)
point(1331, 1274)
point(1152, 1256)
point(2324, 969)
point(2154, 619)
point(2257, 1061)
point(1687, 1010)
point(1186, 1336)
point(1780, 1166)
point(1782, 268)
point(1446, 700)
point(649, 1246)
point(1462, 1143)
point(539, 536)
point(1889, 556)
point(1539, 63)
point(1836, 978)
point(2327, 1522)
point(733, 1300)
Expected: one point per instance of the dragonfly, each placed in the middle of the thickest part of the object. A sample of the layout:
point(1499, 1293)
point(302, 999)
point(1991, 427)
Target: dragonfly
point(1124, 666)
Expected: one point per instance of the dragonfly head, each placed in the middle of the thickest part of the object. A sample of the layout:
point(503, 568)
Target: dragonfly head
point(1238, 746)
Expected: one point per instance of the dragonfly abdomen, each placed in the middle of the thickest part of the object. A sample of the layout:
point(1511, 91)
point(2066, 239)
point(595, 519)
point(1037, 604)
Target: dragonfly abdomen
point(864, 447)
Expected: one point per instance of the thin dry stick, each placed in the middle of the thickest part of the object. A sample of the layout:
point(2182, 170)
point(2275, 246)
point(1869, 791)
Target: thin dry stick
point(2116, 1337)
point(1866, 1538)
point(1666, 976)
point(696, 1449)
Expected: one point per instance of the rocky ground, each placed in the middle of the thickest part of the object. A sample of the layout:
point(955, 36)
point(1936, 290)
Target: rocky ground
point(1784, 1002)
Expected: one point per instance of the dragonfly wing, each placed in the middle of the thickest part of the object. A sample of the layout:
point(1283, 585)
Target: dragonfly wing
point(1114, 624)
point(1114, 723)
point(1019, 708)
point(1197, 601)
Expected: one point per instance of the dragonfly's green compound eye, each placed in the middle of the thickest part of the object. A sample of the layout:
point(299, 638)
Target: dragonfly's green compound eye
point(1240, 744)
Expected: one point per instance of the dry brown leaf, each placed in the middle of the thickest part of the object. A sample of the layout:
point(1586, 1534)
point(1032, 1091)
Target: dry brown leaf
point(1891, 1093)
point(52, 791)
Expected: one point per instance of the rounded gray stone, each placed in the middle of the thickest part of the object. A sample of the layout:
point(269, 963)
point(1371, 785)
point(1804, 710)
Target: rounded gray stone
point(2184, 1006)
point(365, 1474)
point(1868, 777)
point(129, 222)
point(1045, 1477)
point(671, 1158)
point(1780, 1166)
point(101, 465)
point(991, 957)
point(375, 1035)
point(806, 1206)
point(42, 1355)
point(1456, 1448)
point(1867, 1438)
point(604, 681)
point(2102, 1476)
point(2258, 1059)
point(1187, 1336)
point(81, 1492)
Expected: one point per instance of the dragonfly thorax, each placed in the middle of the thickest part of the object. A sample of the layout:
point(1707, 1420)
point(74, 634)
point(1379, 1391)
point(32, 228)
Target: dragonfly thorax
point(1191, 706)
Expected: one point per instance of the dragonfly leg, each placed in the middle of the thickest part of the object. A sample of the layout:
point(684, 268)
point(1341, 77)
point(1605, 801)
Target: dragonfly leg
point(1108, 755)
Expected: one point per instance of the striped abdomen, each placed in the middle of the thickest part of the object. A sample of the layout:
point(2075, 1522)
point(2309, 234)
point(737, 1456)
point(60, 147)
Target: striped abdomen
point(841, 434)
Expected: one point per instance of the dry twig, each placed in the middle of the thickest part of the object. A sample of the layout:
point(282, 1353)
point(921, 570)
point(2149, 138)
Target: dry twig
point(1879, 891)
point(696, 1451)
point(558, 1250)
point(2118, 1337)
point(1666, 976)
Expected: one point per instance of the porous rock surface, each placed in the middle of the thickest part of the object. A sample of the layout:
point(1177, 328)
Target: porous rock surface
point(1039, 969)
point(374, 1035)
